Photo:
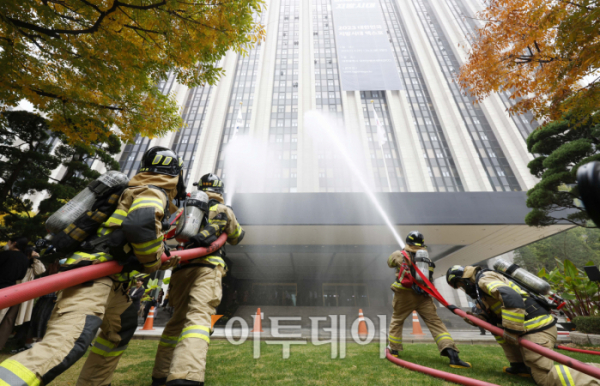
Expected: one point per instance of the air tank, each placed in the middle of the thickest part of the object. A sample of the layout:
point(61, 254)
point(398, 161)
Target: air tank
point(523, 277)
point(83, 201)
point(422, 262)
point(189, 223)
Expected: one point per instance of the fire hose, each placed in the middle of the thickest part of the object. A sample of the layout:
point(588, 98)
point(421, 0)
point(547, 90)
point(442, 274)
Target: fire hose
point(591, 352)
point(23, 292)
point(437, 373)
point(548, 353)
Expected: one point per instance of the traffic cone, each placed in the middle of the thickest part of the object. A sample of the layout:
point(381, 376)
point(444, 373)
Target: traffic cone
point(213, 320)
point(416, 325)
point(149, 324)
point(362, 326)
point(257, 322)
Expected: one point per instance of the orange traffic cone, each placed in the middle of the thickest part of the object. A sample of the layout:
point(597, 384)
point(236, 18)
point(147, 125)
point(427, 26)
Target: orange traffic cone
point(362, 326)
point(214, 319)
point(416, 325)
point(149, 325)
point(257, 322)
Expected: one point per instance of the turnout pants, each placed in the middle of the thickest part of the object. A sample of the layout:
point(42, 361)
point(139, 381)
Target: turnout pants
point(195, 294)
point(543, 370)
point(407, 301)
point(79, 312)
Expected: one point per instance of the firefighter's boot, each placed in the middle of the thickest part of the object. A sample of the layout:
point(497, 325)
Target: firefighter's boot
point(455, 361)
point(159, 381)
point(393, 353)
point(517, 368)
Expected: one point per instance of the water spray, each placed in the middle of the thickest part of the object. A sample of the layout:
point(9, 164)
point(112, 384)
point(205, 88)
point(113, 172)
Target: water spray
point(315, 120)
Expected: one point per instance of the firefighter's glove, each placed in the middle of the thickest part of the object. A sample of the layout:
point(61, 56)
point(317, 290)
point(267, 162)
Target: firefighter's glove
point(201, 240)
point(511, 338)
point(131, 264)
point(171, 263)
point(482, 317)
point(211, 231)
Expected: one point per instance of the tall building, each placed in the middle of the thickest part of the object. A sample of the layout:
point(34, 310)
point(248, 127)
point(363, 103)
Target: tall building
point(455, 170)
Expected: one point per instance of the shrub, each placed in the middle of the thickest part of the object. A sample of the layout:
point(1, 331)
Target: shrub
point(581, 294)
point(588, 324)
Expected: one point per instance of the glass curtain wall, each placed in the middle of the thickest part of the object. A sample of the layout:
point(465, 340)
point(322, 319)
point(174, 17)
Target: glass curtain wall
point(241, 99)
point(188, 137)
point(440, 165)
point(524, 122)
point(133, 152)
point(390, 158)
point(498, 170)
point(283, 131)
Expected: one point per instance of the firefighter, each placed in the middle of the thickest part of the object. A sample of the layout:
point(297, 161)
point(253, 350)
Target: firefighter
point(137, 226)
point(408, 298)
point(507, 305)
point(195, 292)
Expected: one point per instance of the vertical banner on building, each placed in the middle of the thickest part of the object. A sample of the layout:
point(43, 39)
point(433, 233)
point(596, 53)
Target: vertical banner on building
point(365, 57)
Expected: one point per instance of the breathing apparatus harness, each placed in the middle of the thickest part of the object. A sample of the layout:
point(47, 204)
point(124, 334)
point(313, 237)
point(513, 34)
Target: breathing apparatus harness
point(531, 300)
point(114, 244)
point(407, 275)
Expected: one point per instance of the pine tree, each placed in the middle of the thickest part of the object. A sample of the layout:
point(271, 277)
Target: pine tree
point(560, 147)
point(26, 165)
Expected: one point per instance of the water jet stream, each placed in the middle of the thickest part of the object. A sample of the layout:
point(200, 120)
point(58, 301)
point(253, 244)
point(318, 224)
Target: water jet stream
point(317, 122)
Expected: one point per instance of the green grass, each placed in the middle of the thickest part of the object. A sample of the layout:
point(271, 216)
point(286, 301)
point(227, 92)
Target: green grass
point(312, 365)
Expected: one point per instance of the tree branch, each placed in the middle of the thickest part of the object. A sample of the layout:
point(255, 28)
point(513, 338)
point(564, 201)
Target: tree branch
point(54, 96)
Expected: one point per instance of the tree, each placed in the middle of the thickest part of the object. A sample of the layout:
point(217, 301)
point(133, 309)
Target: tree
point(26, 165)
point(579, 245)
point(25, 158)
point(92, 64)
point(545, 53)
point(560, 147)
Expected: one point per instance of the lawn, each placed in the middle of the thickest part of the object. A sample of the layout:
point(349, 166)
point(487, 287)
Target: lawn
point(312, 365)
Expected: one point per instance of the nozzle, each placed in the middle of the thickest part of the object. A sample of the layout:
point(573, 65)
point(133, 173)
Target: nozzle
point(560, 302)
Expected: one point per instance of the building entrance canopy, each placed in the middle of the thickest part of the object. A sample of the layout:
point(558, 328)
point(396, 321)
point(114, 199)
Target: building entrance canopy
point(341, 237)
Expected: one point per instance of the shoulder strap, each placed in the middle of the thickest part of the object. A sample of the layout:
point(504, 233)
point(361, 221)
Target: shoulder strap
point(212, 202)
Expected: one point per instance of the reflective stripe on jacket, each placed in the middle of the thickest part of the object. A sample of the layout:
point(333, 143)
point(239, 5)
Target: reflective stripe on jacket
point(139, 214)
point(220, 219)
point(517, 310)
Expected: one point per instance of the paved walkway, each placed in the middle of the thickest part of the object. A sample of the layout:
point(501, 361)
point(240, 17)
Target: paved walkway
point(460, 336)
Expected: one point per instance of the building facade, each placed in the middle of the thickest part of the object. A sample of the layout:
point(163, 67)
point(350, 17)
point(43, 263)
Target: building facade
point(437, 141)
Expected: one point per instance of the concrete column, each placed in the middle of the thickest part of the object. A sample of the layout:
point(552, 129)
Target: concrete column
point(466, 158)
point(308, 166)
point(356, 131)
point(510, 139)
point(258, 103)
point(407, 141)
point(212, 130)
point(264, 94)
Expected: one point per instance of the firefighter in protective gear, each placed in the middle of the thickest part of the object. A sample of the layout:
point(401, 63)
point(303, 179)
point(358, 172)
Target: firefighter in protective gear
point(195, 292)
point(506, 304)
point(105, 303)
point(409, 298)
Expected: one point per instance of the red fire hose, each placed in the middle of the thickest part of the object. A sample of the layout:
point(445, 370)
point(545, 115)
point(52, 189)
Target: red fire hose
point(437, 373)
point(548, 353)
point(20, 293)
point(592, 352)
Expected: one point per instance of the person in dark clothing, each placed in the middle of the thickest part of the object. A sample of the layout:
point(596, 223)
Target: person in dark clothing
point(136, 294)
point(161, 294)
point(13, 262)
point(13, 267)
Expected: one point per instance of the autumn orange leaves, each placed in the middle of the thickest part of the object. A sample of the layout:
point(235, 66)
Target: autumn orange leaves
point(545, 53)
point(91, 66)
